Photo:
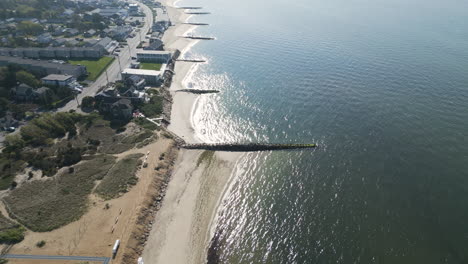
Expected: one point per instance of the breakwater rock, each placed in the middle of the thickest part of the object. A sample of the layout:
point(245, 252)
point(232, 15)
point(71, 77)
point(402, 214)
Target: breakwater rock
point(249, 147)
point(197, 91)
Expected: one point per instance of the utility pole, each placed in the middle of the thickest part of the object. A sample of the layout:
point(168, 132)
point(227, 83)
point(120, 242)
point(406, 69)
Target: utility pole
point(107, 77)
point(76, 98)
point(118, 59)
point(129, 50)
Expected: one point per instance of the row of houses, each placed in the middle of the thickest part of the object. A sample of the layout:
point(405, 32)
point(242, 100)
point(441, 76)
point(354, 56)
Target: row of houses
point(101, 48)
point(120, 104)
point(44, 67)
point(156, 56)
point(25, 93)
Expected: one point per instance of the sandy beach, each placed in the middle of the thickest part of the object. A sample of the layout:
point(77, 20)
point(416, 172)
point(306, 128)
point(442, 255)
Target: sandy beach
point(183, 226)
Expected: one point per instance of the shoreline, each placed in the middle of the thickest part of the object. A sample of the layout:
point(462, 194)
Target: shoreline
point(185, 224)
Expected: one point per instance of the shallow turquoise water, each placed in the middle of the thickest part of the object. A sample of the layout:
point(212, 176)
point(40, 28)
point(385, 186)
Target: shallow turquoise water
point(382, 87)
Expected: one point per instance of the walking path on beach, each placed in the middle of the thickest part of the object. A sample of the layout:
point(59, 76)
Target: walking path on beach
point(183, 225)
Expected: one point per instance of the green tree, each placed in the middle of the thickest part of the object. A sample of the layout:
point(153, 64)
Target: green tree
point(27, 78)
point(30, 28)
point(87, 102)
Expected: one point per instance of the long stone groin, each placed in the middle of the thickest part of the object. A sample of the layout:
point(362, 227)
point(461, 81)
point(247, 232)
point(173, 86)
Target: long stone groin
point(197, 13)
point(196, 24)
point(202, 38)
point(190, 7)
point(249, 147)
point(189, 60)
point(197, 91)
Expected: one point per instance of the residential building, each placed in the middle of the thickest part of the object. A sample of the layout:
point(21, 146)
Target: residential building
point(135, 96)
point(95, 52)
point(60, 80)
point(44, 67)
point(156, 56)
point(136, 81)
point(108, 12)
point(44, 38)
point(71, 32)
point(59, 42)
point(68, 12)
point(23, 93)
point(155, 44)
point(107, 44)
point(120, 33)
point(89, 33)
point(133, 9)
point(43, 95)
point(122, 109)
point(150, 76)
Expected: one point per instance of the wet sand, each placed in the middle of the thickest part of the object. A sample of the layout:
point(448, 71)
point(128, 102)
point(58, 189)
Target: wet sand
point(183, 226)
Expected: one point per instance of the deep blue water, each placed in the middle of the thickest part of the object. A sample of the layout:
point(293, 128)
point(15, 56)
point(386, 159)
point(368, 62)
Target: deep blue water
point(382, 87)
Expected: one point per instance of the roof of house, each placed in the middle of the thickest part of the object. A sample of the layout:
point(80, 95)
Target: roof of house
point(155, 44)
point(135, 78)
point(22, 88)
point(42, 90)
point(123, 104)
point(37, 63)
point(104, 42)
point(141, 72)
point(57, 77)
point(162, 52)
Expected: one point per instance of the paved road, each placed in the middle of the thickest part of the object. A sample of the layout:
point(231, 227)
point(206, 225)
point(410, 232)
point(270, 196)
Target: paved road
point(104, 260)
point(114, 70)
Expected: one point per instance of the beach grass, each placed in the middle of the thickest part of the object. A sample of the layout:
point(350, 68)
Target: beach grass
point(120, 177)
point(94, 67)
point(48, 204)
point(150, 66)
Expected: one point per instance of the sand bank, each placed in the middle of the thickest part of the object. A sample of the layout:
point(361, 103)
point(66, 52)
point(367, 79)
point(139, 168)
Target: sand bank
point(182, 229)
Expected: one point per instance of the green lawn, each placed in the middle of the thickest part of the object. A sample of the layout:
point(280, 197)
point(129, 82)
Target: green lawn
point(95, 67)
point(150, 66)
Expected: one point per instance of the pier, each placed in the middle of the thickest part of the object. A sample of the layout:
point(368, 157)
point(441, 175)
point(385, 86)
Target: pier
point(233, 147)
point(197, 91)
point(197, 13)
point(195, 24)
point(190, 7)
point(189, 60)
point(200, 38)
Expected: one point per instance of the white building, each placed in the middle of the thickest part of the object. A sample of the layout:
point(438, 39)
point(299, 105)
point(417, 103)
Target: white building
point(156, 56)
point(60, 80)
point(150, 76)
point(133, 9)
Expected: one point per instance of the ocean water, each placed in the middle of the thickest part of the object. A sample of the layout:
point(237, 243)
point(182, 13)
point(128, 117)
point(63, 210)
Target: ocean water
point(381, 86)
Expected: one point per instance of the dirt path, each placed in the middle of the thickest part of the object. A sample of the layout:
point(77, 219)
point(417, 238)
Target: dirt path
point(95, 232)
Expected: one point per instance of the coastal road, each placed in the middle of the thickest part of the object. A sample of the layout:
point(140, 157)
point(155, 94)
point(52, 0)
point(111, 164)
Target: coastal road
point(103, 260)
point(114, 70)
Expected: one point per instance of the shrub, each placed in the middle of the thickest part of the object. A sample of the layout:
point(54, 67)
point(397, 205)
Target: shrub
point(120, 177)
point(40, 244)
point(154, 107)
point(87, 102)
point(13, 235)
point(46, 205)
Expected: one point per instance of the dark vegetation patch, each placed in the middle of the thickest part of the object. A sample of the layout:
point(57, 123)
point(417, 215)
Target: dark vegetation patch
point(144, 123)
point(206, 156)
point(10, 232)
point(54, 141)
point(48, 204)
